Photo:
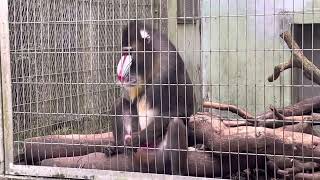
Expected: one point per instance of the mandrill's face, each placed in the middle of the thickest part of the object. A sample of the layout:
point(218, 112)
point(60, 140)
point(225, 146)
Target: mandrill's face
point(134, 63)
point(126, 71)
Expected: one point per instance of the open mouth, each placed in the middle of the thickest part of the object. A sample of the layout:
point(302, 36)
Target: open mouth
point(127, 81)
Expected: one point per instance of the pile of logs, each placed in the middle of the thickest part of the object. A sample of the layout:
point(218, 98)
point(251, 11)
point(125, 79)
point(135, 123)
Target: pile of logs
point(281, 142)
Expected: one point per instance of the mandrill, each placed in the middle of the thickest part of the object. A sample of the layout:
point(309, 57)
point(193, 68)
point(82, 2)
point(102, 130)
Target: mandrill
point(161, 99)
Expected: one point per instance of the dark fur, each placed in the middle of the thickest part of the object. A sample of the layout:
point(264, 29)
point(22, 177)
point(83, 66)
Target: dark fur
point(124, 112)
point(167, 88)
point(173, 160)
point(168, 97)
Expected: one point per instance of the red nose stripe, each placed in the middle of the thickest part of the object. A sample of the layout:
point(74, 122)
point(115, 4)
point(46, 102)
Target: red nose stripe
point(120, 77)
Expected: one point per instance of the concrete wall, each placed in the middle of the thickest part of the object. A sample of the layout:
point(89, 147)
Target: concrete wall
point(186, 37)
point(240, 45)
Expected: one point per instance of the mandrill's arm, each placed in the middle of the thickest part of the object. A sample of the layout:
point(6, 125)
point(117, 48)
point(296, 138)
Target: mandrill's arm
point(170, 157)
point(157, 97)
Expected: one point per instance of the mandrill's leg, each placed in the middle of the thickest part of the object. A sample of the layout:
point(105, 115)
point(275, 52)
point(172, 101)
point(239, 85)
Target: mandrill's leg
point(157, 127)
point(125, 122)
point(171, 155)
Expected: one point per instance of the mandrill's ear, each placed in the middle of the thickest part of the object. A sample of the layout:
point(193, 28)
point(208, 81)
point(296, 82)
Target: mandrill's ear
point(145, 35)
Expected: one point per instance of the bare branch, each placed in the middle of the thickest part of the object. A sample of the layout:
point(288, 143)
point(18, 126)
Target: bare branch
point(278, 69)
point(227, 107)
point(299, 60)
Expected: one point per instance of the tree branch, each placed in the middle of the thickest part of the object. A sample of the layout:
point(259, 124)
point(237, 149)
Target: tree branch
point(227, 107)
point(299, 60)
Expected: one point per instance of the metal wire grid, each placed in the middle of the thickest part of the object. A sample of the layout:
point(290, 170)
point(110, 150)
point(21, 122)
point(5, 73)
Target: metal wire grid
point(63, 55)
point(307, 36)
point(61, 65)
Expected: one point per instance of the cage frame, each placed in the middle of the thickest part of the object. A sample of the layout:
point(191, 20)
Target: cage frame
point(7, 167)
point(6, 129)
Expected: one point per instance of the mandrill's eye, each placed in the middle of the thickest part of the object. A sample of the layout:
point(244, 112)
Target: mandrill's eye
point(126, 50)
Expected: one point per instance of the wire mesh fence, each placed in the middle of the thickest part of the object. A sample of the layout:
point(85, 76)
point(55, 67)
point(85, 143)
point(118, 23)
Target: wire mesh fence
point(63, 57)
point(198, 88)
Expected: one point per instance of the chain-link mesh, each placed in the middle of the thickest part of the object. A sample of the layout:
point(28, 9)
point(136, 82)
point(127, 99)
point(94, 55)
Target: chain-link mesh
point(254, 68)
point(63, 54)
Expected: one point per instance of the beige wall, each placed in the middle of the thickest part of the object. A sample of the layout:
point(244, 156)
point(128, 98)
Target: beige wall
point(186, 37)
point(241, 45)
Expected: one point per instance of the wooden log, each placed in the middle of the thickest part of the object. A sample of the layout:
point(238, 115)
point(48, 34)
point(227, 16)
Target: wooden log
point(232, 142)
point(200, 164)
point(285, 166)
point(207, 128)
point(307, 176)
point(302, 128)
point(97, 160)
point(263, 140)
point(44, 147)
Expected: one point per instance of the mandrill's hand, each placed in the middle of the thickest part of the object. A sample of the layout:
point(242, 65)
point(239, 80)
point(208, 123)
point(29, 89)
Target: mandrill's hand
point(132, 141)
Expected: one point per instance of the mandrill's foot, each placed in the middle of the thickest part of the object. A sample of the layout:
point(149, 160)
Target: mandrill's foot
point(128, 139)
point(110, 150)
point(129, 144)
